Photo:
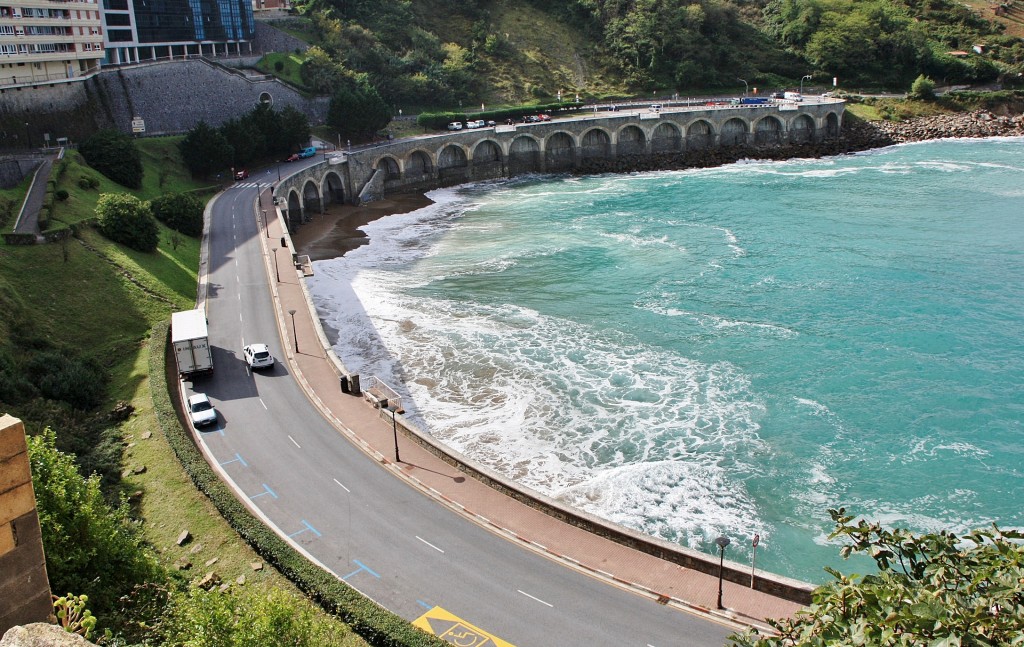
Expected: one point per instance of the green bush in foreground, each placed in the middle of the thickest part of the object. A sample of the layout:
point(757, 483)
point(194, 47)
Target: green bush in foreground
point(181, 212)
point(91, 548)
point(938, 590)
point(243, 618)
point(125, 219)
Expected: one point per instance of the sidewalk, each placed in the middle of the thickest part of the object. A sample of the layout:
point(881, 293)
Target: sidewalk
point(364, 425)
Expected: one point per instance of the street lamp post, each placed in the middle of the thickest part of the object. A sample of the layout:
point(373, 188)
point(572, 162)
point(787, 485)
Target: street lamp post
point(394, 430)
point(746, 88)
point(722, 542)
point(294, 335)
point(277, 273)
point(806, 76)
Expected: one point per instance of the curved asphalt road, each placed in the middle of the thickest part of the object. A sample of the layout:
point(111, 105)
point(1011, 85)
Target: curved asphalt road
point(371, 529)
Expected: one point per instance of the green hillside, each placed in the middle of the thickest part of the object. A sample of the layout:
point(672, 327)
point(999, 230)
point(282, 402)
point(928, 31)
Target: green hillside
point(430, 54)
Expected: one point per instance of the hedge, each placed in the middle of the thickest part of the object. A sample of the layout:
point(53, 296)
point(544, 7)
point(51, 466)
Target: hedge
point(19, 239)
point(375, 624)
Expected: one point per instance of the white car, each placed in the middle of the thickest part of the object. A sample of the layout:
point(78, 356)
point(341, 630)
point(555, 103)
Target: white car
point(258, 356)
point(200, 410)
point(455, 125)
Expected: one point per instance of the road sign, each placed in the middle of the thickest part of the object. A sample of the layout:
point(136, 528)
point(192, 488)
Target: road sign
point(456, 631)
point(138, 125)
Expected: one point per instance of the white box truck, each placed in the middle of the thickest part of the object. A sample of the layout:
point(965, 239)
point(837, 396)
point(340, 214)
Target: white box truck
point(191, 343)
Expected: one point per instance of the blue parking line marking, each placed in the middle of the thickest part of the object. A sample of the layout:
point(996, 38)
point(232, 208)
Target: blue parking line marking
point(306, 523)
point(308, 527)
point(267, 490)
point(362, 567)
point(424, 604)
point(237, 459)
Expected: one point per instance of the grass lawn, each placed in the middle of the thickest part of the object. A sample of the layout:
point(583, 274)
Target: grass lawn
point(10, 203)
point(290, 66)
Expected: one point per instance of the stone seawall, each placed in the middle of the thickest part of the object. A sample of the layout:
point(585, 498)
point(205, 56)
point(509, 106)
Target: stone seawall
point(857, 136)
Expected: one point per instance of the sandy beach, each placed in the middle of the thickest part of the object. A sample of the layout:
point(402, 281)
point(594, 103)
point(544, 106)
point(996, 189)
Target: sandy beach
point(336, 231)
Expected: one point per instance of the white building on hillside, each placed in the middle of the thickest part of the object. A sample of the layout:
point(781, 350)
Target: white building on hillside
point(47, 41)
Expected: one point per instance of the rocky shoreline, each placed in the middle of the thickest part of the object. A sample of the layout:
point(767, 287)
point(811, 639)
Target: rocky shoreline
point(858, 136)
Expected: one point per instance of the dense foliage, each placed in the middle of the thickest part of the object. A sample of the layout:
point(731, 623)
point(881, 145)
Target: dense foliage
point(91, 547)
point(205, 150)
point(412, 56)
point(357, 110)
point(934, 589)
point(125, 219)
point(114, 154)
point(181, 212)
point(243, 618)
point(259, 134)
point(885, 42)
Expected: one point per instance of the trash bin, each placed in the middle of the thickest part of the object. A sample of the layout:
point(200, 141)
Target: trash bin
point(282, 242)
point(344, 384)
point(353, 384)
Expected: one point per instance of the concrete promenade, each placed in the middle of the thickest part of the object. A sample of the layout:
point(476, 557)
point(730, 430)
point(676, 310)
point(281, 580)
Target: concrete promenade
point(363, 425)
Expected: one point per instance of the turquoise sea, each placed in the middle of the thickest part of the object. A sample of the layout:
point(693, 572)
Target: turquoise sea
point(719, 351)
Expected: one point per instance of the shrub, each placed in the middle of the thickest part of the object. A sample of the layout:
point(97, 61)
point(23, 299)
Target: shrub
point(60, 376)
point(245, 617)
point(180, 211)
point(923, 88)
point(278, 66)
point(91, 547)
point(127, 220)
point(61, 195)
point(114, 154)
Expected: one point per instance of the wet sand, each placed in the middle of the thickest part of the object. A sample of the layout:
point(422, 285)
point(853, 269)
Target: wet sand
point(336, 231)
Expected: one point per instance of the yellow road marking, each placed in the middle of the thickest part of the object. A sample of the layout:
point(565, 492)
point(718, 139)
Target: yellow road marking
point(456, 631)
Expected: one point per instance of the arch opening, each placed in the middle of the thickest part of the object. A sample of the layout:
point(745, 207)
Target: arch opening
point(560, 152)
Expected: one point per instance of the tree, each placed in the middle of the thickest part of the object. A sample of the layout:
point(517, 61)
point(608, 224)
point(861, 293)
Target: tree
point(293, 129)
point(320, 73)
point(205, 150)
point(246, 140)
point(357, 110)
point(91, 547)
point(114, 154)
point(125, 219)
point(180, 211)
point(935, 589)
point(923, 88)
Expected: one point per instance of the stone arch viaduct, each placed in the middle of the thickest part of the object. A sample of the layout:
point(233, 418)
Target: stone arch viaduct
point(549, 147)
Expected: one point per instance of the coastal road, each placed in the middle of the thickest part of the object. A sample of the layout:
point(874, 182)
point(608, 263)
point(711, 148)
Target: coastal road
point(371, 529)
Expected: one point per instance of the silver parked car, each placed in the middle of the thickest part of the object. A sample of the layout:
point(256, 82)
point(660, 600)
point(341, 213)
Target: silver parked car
point(201, 411)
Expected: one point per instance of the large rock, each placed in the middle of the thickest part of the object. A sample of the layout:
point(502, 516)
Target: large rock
point(40, 634)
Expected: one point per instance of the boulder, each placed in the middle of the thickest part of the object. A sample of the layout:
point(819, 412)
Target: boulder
point(40, 634)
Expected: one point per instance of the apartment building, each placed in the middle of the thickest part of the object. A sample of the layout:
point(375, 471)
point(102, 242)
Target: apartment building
point(44, 41)
point(149, 30)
